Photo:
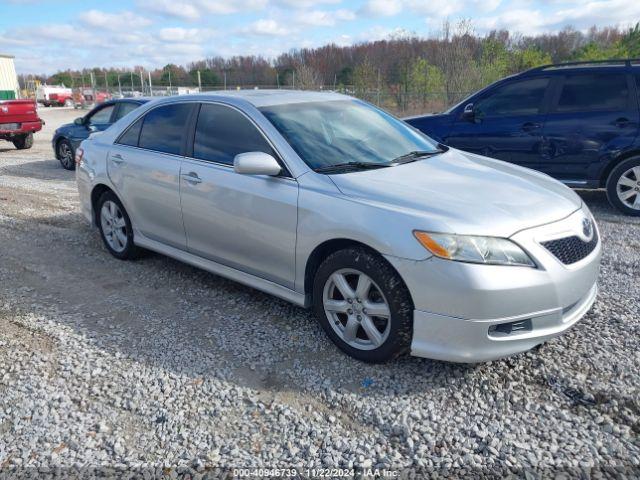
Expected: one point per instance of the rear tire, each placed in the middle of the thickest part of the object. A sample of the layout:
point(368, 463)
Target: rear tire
point(373, 320)
point(23, 142)
point(115, 227)
point(65, 154)
point(623, 187)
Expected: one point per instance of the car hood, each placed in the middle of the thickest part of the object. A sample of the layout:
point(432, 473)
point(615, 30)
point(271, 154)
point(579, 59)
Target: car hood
point(463, 193)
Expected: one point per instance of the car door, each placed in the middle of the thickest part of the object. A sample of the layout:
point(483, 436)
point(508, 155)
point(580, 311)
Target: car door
point(144, 166)
point(247, 222)
point(593, 115)
point(506, 122)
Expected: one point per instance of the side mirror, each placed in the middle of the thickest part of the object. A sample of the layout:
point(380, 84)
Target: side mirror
point(468, 113)
point(79, 121)
point(256, 163)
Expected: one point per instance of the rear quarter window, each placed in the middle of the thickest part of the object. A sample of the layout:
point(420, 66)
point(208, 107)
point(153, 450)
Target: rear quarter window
point(131, 135)
point(585, 93)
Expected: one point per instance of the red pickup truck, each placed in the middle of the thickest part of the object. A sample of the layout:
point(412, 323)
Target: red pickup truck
point(18, 121)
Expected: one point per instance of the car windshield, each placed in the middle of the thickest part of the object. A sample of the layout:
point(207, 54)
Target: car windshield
point(334, 133)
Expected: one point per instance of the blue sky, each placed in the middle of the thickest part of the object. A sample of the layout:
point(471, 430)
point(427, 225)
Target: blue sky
point(48, 35)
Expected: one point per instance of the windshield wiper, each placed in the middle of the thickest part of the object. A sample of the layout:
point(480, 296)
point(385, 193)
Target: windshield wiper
point(415, 155)
point(350, 165)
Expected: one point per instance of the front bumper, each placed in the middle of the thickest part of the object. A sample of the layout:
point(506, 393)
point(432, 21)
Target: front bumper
point(468, 341)
point(458, 306)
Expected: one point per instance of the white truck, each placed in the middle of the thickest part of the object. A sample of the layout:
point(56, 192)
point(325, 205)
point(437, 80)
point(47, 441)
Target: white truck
point(49, 95)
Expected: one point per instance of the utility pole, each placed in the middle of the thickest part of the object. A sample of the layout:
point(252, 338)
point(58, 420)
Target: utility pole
point(278, 80)
point(150, 86)
point(199, 82)
point(294, 80)
point(131, 83)
point(141, 81)
point(378, 87)
point(106, 82)
point(170, 90)
point(119, 86)
point(225, 79)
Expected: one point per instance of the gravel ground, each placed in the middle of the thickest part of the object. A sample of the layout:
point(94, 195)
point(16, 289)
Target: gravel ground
point(155, 364)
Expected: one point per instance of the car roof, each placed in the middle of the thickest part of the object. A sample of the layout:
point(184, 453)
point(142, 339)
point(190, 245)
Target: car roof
point(597, 66)
point(263, 98)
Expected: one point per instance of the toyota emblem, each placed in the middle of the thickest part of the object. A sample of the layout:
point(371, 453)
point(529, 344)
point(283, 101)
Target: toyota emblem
point(587, 228)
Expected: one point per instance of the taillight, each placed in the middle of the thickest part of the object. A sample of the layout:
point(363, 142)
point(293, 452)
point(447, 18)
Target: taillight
point(79, 154)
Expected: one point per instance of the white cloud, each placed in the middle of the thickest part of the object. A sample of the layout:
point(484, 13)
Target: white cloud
point(113, 21)
point(438, 8)
point(267, 27)
point(180, 34)
point(306, 3)
point(382, 8)
point(323, 18)
point(196, 9)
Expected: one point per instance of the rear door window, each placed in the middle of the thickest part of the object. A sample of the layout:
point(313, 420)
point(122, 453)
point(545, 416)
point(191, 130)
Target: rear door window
point(588, 93)
point(102, 116)
point(124, 109)
point(163, 128)
point(524, 97)
point(223, 132)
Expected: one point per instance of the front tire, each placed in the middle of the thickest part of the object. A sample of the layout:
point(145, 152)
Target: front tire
point(115, 227)
point(623, 187)
point(65, 154)
point(363, 305)
point(23, 142)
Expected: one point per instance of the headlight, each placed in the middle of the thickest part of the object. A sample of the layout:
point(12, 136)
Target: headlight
point(467, 248)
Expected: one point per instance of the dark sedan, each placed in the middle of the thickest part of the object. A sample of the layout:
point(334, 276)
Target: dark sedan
point(68, 137)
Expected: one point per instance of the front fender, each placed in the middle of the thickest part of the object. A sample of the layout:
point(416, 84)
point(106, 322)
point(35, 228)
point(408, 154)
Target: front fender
point(324, 214)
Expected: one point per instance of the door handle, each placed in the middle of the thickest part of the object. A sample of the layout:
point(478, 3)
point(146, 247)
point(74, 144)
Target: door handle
point(117, 158)
point(192, 177)
point(622, 122)
point(529, 126)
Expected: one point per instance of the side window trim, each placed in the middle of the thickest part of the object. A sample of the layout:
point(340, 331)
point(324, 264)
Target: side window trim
point(192, 134)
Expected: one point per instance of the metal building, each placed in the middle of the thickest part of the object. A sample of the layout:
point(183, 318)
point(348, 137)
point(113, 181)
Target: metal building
point(9, 87)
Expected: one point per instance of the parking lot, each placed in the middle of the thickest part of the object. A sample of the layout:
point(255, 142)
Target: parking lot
point(157, 364)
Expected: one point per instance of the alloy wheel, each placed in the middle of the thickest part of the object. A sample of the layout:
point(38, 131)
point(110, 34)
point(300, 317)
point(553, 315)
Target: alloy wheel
point(114, 226)
point(65, 154)
point(357, 309)
point(628, 188)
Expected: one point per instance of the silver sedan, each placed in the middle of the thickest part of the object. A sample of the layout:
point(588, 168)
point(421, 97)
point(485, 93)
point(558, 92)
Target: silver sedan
point(398, 243)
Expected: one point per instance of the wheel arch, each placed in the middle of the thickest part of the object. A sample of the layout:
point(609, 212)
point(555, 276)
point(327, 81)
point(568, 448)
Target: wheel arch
point(326, 248)
point(604, 177)
point(97, 191)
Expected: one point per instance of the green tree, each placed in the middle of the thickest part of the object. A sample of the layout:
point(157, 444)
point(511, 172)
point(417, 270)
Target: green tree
point(61, 78)
point(426, 81)
point(529, 58)
point(494, 61)
point(629, 45)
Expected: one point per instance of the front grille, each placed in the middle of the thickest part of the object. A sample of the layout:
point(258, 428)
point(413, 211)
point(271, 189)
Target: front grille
point(571, 249)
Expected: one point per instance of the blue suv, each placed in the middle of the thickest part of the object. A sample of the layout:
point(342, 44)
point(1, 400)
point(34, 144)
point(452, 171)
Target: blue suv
point(68, 137)
point(577, 122)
